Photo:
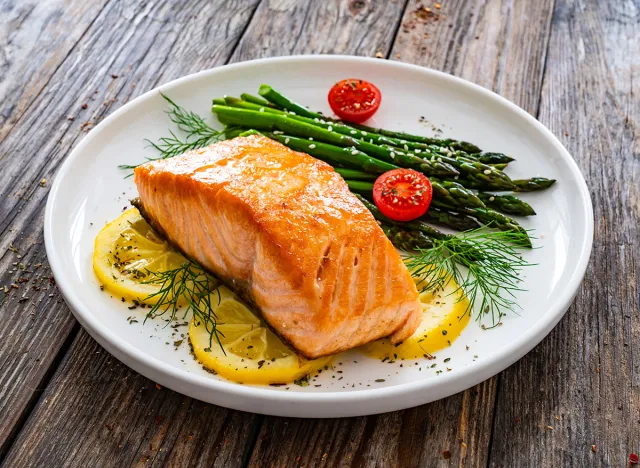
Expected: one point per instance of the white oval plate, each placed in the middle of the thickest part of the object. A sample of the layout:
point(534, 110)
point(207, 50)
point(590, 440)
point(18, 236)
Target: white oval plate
point(90, 190)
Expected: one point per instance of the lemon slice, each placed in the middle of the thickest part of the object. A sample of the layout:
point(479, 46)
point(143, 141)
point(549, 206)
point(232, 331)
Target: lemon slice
point(124, 253)
point(254, 354)
point(444, 317)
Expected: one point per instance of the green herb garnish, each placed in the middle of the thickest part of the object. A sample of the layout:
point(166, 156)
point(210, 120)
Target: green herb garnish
point(485, 264)
point(191, 284)
point(198, 134)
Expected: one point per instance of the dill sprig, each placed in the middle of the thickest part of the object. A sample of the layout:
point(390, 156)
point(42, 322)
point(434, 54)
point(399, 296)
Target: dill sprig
point(189, 284)
point(484, 264)
point(198, 134)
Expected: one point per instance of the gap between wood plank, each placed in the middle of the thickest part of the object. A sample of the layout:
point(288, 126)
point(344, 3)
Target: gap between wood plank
point(546, 58)
point(244, 31)
point(252, 440)
point(38, 392)
point(396, 29)
point(44, 86)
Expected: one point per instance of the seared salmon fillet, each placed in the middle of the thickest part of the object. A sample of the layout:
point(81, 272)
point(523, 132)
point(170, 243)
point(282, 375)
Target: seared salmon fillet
point(283, 230)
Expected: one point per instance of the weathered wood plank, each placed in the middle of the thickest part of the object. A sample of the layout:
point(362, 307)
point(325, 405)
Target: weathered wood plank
point(128, 50)
point(352, 27)
point(420, 436)
point(583, 381)
point(103, 414)
point(498, 44)
point(481, 45)
point(32, 47)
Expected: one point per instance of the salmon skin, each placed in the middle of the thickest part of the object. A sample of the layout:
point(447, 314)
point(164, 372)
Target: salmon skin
point(282, 229)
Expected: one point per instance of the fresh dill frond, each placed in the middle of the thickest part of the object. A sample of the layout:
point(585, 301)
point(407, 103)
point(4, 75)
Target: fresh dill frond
point(484, 264)
point(185, 289)
point(198, 134)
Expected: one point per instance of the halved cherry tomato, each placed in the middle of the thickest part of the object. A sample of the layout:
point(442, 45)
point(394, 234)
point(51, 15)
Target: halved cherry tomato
point(402, 194)
point(354, 100)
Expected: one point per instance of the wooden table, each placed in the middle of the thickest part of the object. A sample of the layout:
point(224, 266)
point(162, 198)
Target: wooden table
point(65, 65)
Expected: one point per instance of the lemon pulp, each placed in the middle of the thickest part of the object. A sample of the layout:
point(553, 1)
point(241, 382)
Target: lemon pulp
point(124, 253)
point(444, 317)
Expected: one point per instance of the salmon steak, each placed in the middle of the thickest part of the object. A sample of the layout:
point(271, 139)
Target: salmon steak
point(282, 229)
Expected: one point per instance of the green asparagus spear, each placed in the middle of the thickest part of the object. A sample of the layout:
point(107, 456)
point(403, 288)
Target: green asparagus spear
point(347, 128)
point(416, 227)
point(501, 222)
point(389, 144)
point(485, 158)
point(408, 225)
point(454, 194)
point(255, 100)
point(281, 122)
point(386, 152)
point(393, 155)
point(492, 158)
point(533, 184)
point(493, 219)
point(406, 240)
point(354, 174)
point(509, 204)
point(283, 102)
point(334, 155)
point(360, 186)
point(450, 219)
point(474, 174)
point(447, 142)
point(219, 102)
point(235, 102)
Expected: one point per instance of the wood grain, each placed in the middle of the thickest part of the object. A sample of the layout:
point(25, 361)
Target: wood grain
point(127, 50)
point(351, 27)
point(32, 48)
point(480, 46)
point(103, 414)
point(421, 436)
point(498, 44)
point(581, 387)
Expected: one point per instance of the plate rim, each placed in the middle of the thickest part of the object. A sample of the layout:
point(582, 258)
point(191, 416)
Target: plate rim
point(153, 368)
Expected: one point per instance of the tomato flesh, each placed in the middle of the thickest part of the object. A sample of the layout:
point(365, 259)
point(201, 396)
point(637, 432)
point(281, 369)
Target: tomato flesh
point(402, 194)
point(354, 100)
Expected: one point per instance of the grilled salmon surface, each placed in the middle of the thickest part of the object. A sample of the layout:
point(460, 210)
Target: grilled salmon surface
point(283, 230)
